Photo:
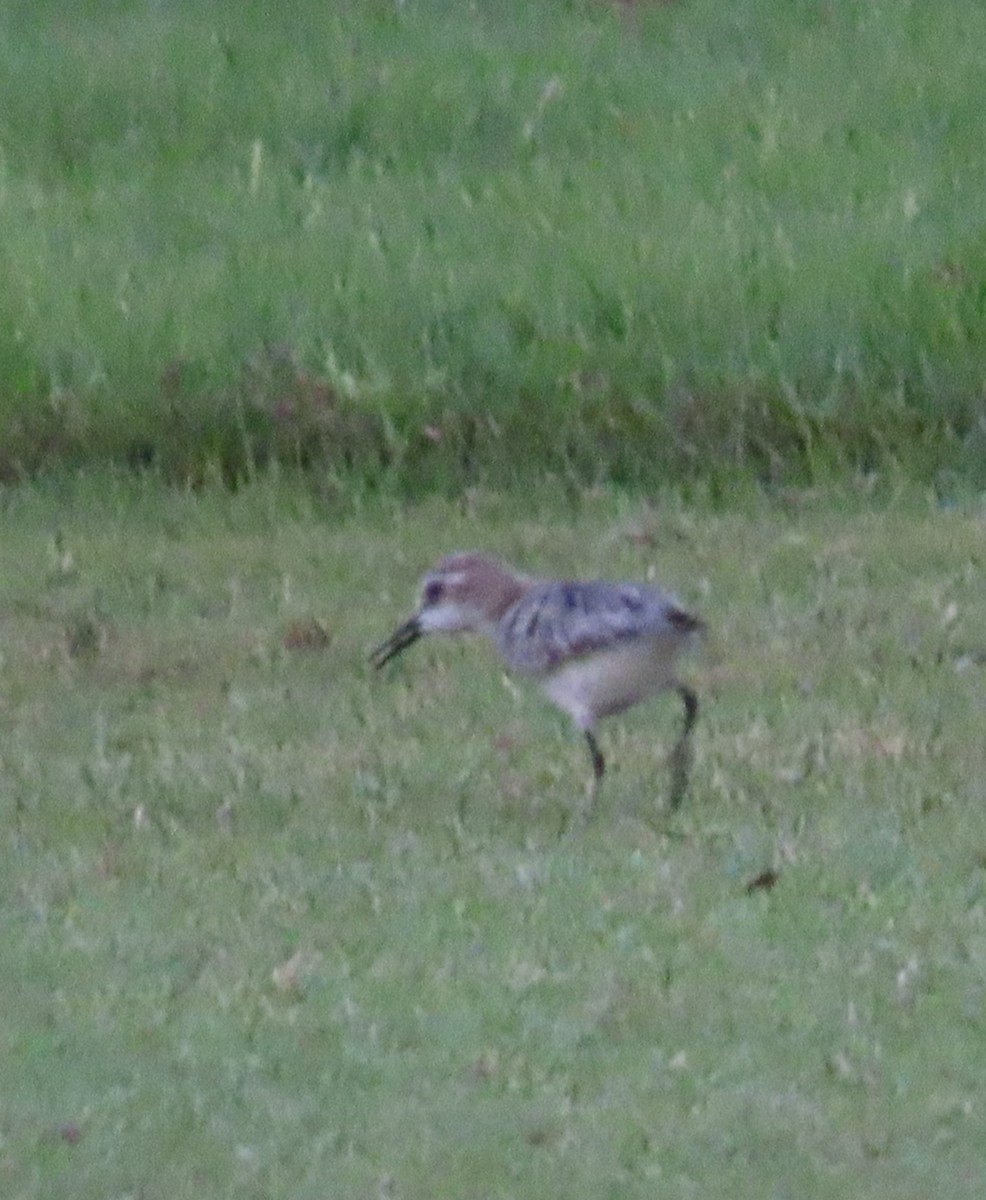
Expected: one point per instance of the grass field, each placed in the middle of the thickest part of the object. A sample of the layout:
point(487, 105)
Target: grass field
point(685, 237)
point(295, 299)
point(275, 927)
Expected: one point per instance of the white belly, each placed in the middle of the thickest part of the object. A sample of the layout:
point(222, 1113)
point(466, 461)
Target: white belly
point(610, 681)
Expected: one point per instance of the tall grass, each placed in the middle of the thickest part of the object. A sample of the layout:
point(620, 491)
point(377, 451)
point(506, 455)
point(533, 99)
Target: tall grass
point(441, 241)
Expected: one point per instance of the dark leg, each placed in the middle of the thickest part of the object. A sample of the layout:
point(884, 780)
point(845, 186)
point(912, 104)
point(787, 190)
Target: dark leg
point(598, 762)
point(681, 756)
point(691, 708)
point(598, 768)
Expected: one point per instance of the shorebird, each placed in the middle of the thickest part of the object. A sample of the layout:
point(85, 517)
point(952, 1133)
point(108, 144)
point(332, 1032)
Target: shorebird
point(596, 648)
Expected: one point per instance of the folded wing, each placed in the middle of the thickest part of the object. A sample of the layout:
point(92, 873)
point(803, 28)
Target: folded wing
point(556, 622)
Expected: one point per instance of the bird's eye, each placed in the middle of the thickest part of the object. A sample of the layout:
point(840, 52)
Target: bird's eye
point(434, 590)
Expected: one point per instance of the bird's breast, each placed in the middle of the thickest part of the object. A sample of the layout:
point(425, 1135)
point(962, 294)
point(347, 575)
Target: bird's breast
point(609, 681)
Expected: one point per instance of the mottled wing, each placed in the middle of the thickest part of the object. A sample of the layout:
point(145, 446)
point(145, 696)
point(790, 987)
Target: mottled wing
point(554, 622)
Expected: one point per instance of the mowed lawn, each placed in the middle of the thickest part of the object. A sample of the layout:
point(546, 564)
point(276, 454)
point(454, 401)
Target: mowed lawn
point(274, 926)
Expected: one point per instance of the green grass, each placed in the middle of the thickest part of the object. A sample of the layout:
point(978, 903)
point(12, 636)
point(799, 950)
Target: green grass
point(275, 927)
point(408, 239)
